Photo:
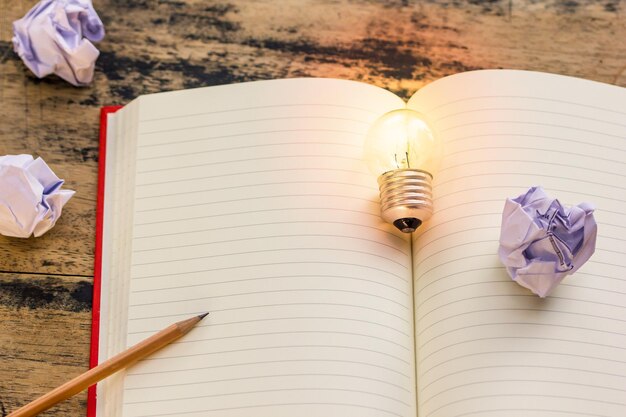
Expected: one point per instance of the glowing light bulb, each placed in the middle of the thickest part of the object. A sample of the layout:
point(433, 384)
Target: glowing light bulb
point(402, 150)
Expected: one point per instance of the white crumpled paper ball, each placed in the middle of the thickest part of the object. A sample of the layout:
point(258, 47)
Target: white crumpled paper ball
point(31, 198)
point(542, 241)
point(54, 37)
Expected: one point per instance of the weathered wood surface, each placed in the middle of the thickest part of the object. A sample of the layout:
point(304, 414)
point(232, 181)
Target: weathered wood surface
point(151, 46)
point(44, 331)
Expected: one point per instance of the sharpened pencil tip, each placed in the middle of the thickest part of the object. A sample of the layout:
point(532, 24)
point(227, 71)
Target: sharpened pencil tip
point(201, 316)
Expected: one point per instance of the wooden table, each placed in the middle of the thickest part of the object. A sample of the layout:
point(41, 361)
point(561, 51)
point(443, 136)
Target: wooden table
point(151, 46)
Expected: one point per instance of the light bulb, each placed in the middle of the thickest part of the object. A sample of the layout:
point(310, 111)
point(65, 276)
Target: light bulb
point(402, 150)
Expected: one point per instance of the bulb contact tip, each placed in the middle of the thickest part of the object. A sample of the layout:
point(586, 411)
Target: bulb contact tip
point(408, 224)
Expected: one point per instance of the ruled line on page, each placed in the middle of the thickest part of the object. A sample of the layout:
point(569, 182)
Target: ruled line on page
point(582, 167)
point(255, 133)
point(377, 242)
point(526, 123)
point(356, 348)
point(258, 171)
point(298, 318)
point(438, 211)
point(521, 365)
point(456, 260)
point(556, 339)
point(258, 211)
point(514, 323)
point(310, 332)
point(355, 306)
point(207, 190)
point(295, 276)
point(295, 290)
point(270, 264)
point(291, 222)
point(612, 238)
point(454, 219)
point(534, 98)
point(499, 410)
point(540, 381)
point(268, 251)
point(257, 198)
point(491, 268)
point(295, 332)
point(509, 281)
point(590, 262)
point(235, 148)
point(240, 122)
point(547, 310)
point(563, 397)
point(525, 109)
point(250, 307)
point(567, 141)
point(464, 164)
point(245, 364)
point(464, 204)
point(596, 276)
point(239, 109)
point(518, 295)
point(519, 352)
point(509, 187)
point(322, 318)
point(594, 262)
point(531, 296)
point(522, 174)
point(499, 213)
point(301, 318)
point(283, 209)
point(542, 150)
point(502, 269)
point(496, 242)
point(256, 406)
point(272, 390)
point(224, 162)
point(271, 376)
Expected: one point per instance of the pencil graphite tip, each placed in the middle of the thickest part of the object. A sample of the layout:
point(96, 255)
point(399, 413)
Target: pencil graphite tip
point(201, 316)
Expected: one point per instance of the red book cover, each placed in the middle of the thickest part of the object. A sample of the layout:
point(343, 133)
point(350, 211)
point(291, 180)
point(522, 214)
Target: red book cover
point(97, 277)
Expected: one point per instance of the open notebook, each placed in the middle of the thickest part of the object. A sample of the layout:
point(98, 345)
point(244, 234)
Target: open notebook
point(252, 201)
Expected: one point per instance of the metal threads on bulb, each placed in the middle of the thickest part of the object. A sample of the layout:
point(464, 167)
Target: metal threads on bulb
point(406, 198)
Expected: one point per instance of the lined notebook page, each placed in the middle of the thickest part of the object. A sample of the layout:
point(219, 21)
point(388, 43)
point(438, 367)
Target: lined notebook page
point(485, 346)
point(252, 202)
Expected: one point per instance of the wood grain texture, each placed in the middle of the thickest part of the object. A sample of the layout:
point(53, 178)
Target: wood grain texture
point(45, 322)
point(159, 45)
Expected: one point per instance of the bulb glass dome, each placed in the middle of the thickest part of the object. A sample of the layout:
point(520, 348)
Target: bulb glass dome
point(402, 139)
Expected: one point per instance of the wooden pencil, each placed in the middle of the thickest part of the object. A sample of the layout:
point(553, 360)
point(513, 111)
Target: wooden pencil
point(116, 363)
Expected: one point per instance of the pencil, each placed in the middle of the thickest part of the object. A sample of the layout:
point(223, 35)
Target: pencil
point(116, 363)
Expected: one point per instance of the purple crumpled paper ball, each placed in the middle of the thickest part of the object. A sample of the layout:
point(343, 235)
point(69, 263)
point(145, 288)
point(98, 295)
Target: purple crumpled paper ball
point(54, 37)
point(541, 241)
point(31, 196)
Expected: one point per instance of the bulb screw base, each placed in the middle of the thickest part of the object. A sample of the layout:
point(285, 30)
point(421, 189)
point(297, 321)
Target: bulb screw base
point(406, 198)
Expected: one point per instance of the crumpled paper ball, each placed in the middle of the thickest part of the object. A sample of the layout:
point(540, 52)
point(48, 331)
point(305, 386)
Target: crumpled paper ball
point(541, 241)
point(31, 198)
point(50, 38)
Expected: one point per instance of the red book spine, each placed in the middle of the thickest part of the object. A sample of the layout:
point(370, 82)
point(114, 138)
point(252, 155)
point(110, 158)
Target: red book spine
point(97, 276)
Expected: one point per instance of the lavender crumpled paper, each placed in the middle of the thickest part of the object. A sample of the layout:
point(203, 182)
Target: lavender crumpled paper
point(541, 241)
point(31, 198)
point(54, 37)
